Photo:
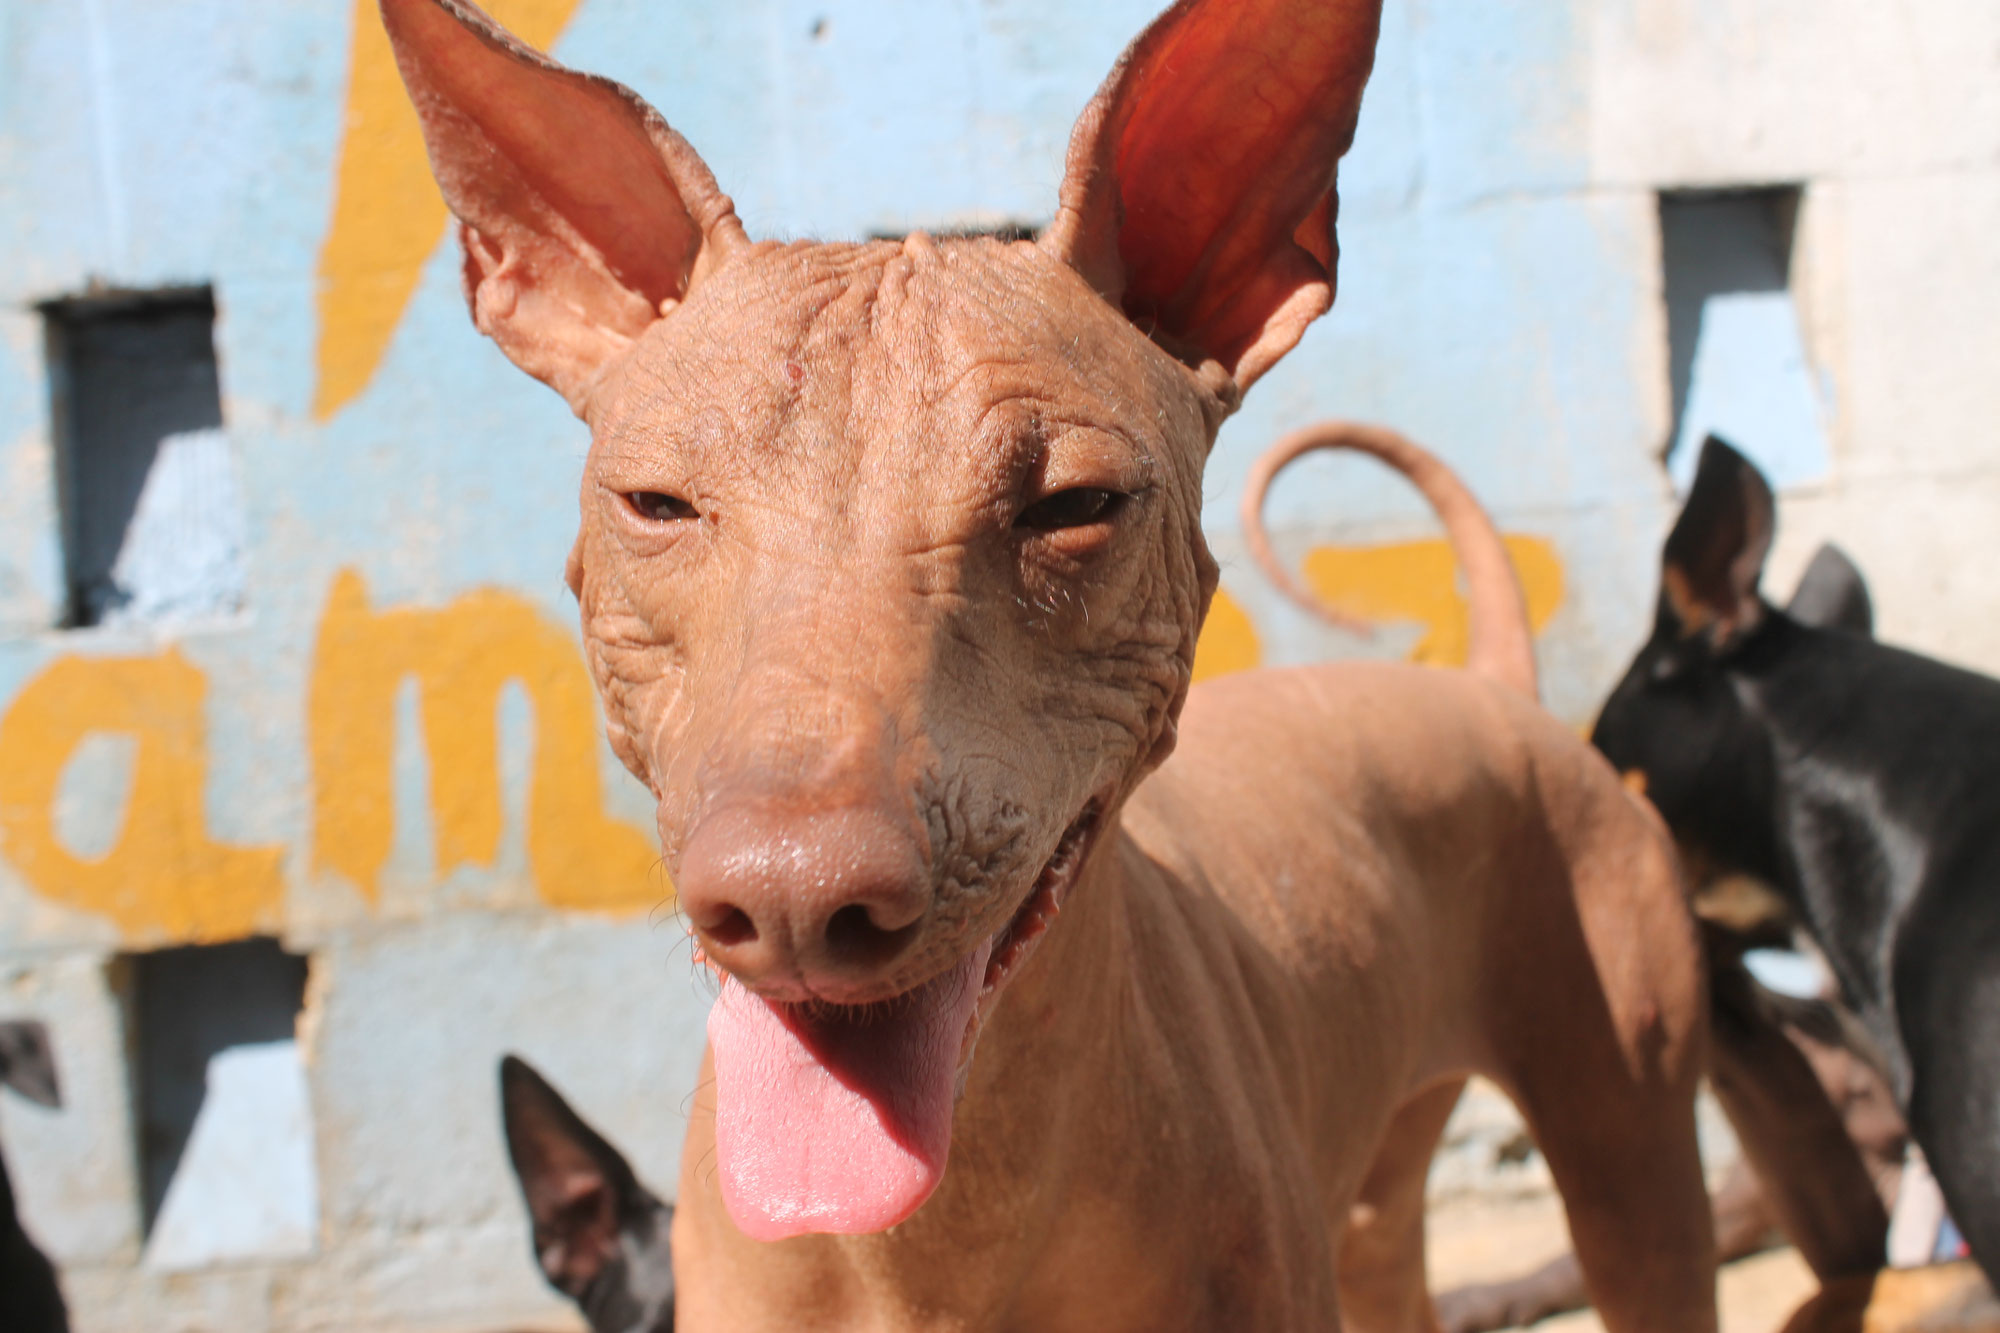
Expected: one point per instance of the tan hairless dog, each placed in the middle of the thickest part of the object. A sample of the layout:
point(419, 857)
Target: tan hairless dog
point(891, 568)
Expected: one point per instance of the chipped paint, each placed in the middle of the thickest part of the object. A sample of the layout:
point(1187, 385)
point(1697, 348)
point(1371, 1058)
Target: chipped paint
point(1395, 583)
point(1419, 581)
point(1228, 641)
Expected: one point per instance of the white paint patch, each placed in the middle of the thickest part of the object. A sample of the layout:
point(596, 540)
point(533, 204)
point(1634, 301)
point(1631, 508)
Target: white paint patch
point(1751, 384)
point(182, 558)
point(1788, 973)
point(1917, 1221)
point(246, 1187)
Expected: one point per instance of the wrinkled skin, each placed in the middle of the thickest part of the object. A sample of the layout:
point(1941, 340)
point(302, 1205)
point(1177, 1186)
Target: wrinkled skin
point(891, 572)
point(860, 465)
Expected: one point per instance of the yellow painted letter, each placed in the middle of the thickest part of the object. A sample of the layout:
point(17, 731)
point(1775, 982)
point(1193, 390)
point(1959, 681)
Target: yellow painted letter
point(163, 881)
point(462, 657)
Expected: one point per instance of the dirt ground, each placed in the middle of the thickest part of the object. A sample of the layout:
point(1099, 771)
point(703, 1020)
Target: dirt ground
point(1476, 1240)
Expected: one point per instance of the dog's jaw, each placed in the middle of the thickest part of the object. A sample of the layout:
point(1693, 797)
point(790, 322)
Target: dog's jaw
point(837, 1118)
point(1013, 946)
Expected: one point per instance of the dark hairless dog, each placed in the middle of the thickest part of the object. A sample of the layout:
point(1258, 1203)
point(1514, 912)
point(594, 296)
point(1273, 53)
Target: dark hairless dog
point(1858, 781)
point(601, 1237)
point(30, 1299)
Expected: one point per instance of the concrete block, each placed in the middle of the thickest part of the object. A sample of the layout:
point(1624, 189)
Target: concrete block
point(1916, 280)
point(1688, 93)
point(1923, 544)
point(407, 1035)
point(73, 1169)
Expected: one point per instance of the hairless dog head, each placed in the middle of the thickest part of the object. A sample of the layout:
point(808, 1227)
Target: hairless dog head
point(890, 561)
point(1674, 715)
point(1678, 716)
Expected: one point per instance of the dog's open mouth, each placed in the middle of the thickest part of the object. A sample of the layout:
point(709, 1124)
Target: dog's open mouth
point(1013, 944)
point(833, 1118)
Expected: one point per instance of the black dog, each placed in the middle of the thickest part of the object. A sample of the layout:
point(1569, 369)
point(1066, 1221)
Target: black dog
point(601, 1237)
point(30, 1299)
point(1860, 782)
point(1737, 916)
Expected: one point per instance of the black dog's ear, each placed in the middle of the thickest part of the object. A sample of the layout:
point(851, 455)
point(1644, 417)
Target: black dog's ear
point(1832, 594)
point(579, 1189)
point(1715, 554)
point(28, 1062)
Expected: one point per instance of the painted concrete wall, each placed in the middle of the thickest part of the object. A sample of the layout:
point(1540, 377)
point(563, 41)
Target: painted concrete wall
point(387, 757)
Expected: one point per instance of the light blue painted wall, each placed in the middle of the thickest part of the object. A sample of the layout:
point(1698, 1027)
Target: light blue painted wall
point(1494, 303)
point(1491, 302)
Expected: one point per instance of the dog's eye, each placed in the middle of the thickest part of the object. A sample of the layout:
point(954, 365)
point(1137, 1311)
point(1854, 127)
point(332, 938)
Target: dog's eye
point(1076, 507)
point(659, 507)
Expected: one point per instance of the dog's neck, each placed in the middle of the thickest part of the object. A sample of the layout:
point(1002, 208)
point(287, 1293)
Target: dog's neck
point(1055, 1033)
point(1843, 845)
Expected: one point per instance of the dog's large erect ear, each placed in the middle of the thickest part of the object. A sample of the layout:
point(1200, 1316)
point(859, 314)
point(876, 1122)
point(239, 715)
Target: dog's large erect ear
point(584, 217)
point(1832, 594)
point(1715, 554)
point(579, 1189)
point(1200, 188)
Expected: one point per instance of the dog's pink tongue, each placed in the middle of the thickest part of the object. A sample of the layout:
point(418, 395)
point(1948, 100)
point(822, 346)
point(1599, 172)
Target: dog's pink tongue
point(831, 1124)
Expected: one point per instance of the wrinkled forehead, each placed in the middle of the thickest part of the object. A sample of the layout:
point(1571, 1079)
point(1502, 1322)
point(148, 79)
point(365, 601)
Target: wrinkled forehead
point(888, 344)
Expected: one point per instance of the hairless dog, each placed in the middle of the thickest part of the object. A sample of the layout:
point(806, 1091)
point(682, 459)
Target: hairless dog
point(890, 569)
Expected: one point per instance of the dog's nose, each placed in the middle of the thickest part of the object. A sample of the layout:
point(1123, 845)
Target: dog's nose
point(826, 899)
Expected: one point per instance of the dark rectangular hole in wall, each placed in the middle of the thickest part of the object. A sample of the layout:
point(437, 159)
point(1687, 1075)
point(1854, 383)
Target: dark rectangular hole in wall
point(1712, 243)
point(126, 372)
point(187, 1005)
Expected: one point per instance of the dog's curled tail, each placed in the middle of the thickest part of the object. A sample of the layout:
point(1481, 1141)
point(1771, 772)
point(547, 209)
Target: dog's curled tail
point(1502, 646)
